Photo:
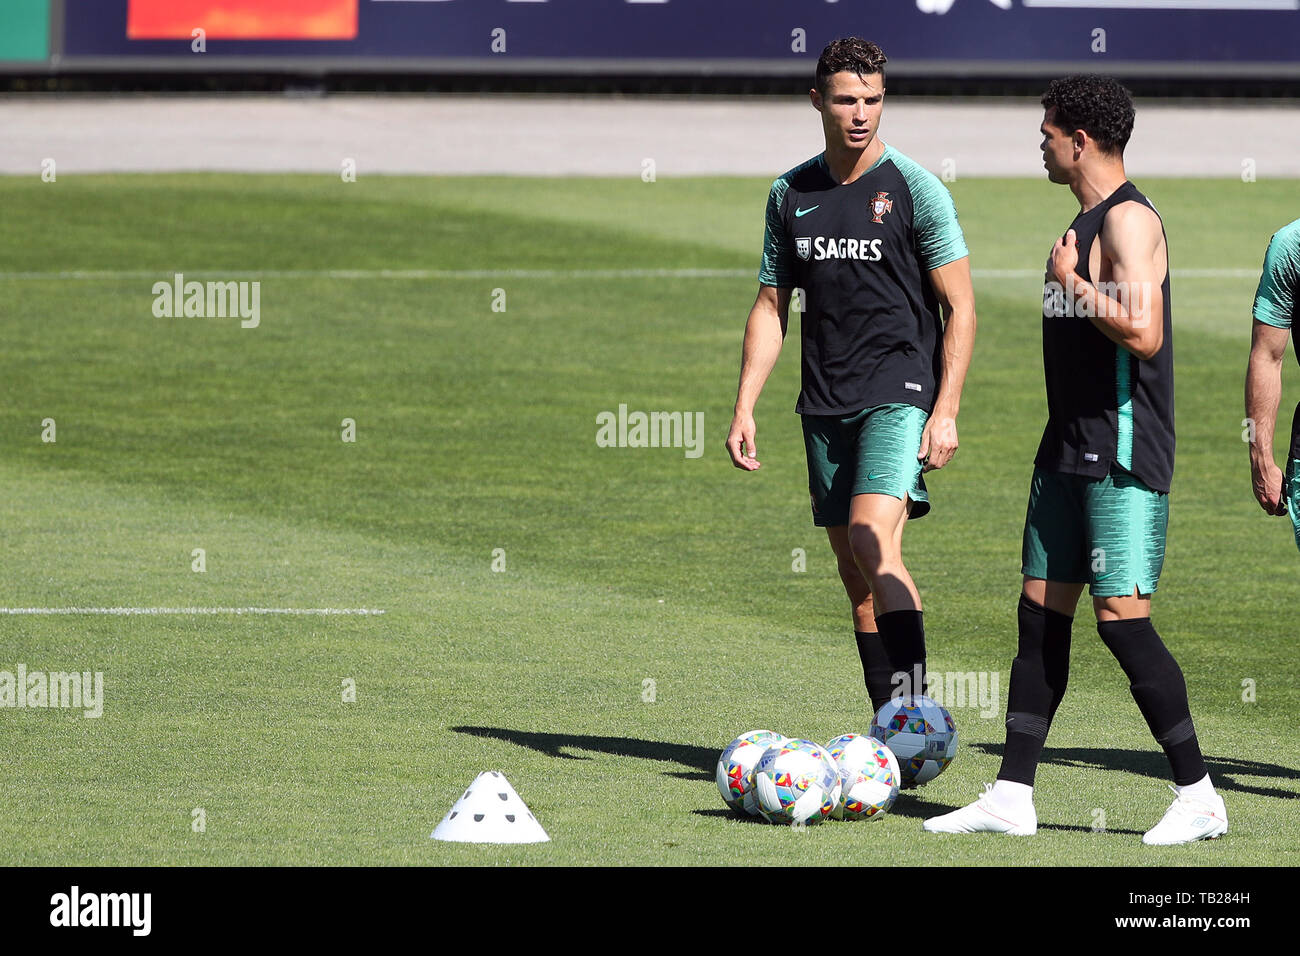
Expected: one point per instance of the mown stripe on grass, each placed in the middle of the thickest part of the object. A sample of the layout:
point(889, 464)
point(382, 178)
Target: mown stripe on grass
point(130, 611)
point(366, 274)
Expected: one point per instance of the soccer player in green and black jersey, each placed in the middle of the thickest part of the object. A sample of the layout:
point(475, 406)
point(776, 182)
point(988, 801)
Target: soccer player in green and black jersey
point(888, 325)
point(1098, 501)
point(1277, 303)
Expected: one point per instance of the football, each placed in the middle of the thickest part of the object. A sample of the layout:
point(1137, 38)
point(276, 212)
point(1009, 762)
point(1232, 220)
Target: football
point(796, 782)
point(735, 774)
point(920, 733)
point(869, 777)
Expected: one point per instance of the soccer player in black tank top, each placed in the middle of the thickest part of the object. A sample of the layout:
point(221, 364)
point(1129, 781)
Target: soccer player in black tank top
point(1098, 505)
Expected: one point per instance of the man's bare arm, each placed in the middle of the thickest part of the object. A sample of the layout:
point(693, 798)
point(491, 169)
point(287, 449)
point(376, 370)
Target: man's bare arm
point(1263, 393)
point(1134, 316)
point(764, 334)
point(952, 286)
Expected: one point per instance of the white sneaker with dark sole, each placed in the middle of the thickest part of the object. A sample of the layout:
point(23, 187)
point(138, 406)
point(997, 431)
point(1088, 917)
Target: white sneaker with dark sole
point(1189, 819)
point(983, 816)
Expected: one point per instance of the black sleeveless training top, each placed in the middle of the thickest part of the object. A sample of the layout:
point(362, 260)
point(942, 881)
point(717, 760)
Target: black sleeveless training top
point(1105, 405)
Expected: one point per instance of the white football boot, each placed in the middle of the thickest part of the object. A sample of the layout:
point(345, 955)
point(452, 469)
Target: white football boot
point(1189, 819)
point(985, 815)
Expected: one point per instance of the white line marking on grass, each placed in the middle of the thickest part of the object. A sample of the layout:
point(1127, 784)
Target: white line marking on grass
point(1178, 273)
point(428, 274)
point(126, 611)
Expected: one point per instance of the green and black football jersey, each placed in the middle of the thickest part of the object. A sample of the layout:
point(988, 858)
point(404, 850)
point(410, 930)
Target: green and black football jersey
point(1277, 300)
point(862, 251)
point(1278, 297)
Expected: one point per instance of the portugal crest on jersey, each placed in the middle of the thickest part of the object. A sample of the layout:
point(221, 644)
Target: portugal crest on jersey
point(803, 247)
point(879, 206)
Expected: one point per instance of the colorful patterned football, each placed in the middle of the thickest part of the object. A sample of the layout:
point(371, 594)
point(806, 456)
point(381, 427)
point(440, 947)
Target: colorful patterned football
point(869, 777)
point(920, 733)
point(735, 774)
point(796, 782)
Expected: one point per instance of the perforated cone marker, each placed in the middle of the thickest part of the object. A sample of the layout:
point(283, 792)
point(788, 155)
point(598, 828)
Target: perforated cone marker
point(490, 812)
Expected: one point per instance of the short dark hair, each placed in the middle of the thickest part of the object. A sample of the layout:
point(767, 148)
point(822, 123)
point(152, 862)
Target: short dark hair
point(1098, 105)
point(849, 55)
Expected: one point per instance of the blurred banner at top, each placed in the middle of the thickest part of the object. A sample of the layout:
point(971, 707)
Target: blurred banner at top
point(242, 19)
point(758, 37)
point(24, 30)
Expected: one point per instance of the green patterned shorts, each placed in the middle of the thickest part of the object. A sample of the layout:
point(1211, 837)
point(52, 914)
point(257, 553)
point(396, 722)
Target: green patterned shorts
point(869, 452)
point(1108, 533)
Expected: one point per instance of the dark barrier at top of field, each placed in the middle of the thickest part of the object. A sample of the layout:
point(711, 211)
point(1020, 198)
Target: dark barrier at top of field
point(1256, 38)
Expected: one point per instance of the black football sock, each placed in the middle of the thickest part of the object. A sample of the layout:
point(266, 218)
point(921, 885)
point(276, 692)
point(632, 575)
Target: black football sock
point(1039, 674)
point(875, 668)
point(1157, 685)
point(903, 636)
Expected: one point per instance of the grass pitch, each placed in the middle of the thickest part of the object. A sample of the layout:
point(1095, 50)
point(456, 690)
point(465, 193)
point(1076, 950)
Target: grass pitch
point(614, 567)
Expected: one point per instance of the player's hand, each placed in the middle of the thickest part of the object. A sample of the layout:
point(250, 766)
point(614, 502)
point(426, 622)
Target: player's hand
point(1064, 259)
point(740, 442)
point(938, 442)
point(1266, 478)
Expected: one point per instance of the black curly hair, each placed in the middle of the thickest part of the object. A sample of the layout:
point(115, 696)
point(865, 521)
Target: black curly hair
point(849, 55)
point(1098, 105)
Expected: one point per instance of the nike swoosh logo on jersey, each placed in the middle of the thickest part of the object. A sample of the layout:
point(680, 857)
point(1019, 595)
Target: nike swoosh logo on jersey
point(804, 212)
point(883, 474)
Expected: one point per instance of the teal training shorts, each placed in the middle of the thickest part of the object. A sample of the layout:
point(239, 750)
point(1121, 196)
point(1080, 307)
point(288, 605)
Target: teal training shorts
point(1108, 533)
point(869, 452)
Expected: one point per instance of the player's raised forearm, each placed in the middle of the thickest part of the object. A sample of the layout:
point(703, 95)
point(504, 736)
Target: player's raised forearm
point(1132, 321)
point(1129, 307)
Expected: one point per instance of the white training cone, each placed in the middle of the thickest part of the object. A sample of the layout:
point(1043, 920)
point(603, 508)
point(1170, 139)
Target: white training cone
point(490, 812)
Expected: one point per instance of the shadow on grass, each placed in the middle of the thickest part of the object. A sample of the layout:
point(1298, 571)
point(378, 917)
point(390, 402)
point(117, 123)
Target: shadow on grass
point(910, 806)
point(910, 803)
point(1152, 763)
point(1069, 828)
point(703, 759)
